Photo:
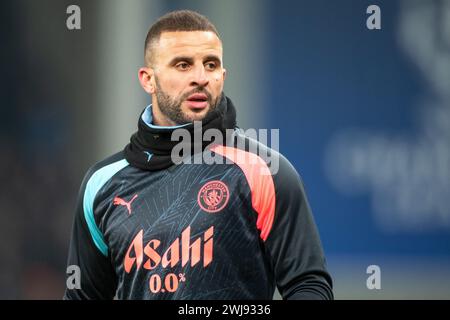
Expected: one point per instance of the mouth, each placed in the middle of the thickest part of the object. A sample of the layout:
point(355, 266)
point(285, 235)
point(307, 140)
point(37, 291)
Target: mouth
point(197, 101)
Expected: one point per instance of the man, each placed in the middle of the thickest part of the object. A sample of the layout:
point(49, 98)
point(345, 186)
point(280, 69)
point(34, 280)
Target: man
point(149, 227)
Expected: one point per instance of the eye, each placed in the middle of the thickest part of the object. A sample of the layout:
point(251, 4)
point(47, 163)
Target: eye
point(182, 66)
point(211, 66)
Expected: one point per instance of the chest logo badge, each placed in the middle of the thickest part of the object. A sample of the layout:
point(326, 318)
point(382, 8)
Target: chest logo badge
point(213, 196)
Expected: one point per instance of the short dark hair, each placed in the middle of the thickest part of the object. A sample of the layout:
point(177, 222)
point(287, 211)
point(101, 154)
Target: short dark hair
point(180, 20)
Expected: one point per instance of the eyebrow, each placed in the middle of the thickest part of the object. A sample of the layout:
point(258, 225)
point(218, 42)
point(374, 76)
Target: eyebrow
point(190, 60)
point(175, 60)
point(214, 58)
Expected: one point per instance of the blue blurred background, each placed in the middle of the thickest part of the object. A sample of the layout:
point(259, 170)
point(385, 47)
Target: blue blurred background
point(364, 116)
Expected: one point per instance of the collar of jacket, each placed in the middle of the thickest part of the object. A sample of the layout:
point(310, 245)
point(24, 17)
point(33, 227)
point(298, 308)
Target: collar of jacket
point(150, 147)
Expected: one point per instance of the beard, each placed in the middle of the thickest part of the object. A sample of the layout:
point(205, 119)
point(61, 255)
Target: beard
point(171, 106)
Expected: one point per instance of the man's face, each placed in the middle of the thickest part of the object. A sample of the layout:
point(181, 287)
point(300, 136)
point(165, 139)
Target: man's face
point(188, 75)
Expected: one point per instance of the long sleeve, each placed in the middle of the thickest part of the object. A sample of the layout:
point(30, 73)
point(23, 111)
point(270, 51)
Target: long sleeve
point(294, 243)
point(97, 275)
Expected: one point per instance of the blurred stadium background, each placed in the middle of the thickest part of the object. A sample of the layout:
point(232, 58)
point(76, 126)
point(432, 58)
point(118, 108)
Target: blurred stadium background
point(363, 115)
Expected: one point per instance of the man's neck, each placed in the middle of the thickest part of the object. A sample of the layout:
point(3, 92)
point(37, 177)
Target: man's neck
point(159, 119)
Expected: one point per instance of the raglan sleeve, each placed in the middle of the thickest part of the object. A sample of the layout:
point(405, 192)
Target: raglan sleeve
point(90, 274)
point(294, 243)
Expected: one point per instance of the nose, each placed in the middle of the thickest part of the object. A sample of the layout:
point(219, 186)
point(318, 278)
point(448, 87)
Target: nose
point(200, 77)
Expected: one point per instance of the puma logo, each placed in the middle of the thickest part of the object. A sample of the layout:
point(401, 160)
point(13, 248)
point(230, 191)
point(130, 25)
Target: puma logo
point(149, 155)
point(120, 202)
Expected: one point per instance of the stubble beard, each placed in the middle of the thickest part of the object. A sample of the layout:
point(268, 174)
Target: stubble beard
point(171, 107)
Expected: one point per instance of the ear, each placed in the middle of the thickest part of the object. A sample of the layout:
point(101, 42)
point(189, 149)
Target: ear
point(146, 76)
point(224, 73)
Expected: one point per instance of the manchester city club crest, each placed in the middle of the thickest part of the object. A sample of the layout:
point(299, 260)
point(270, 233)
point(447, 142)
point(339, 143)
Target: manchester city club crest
point(213, 196)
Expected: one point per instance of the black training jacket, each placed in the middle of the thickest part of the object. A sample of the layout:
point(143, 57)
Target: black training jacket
point(230, 230)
